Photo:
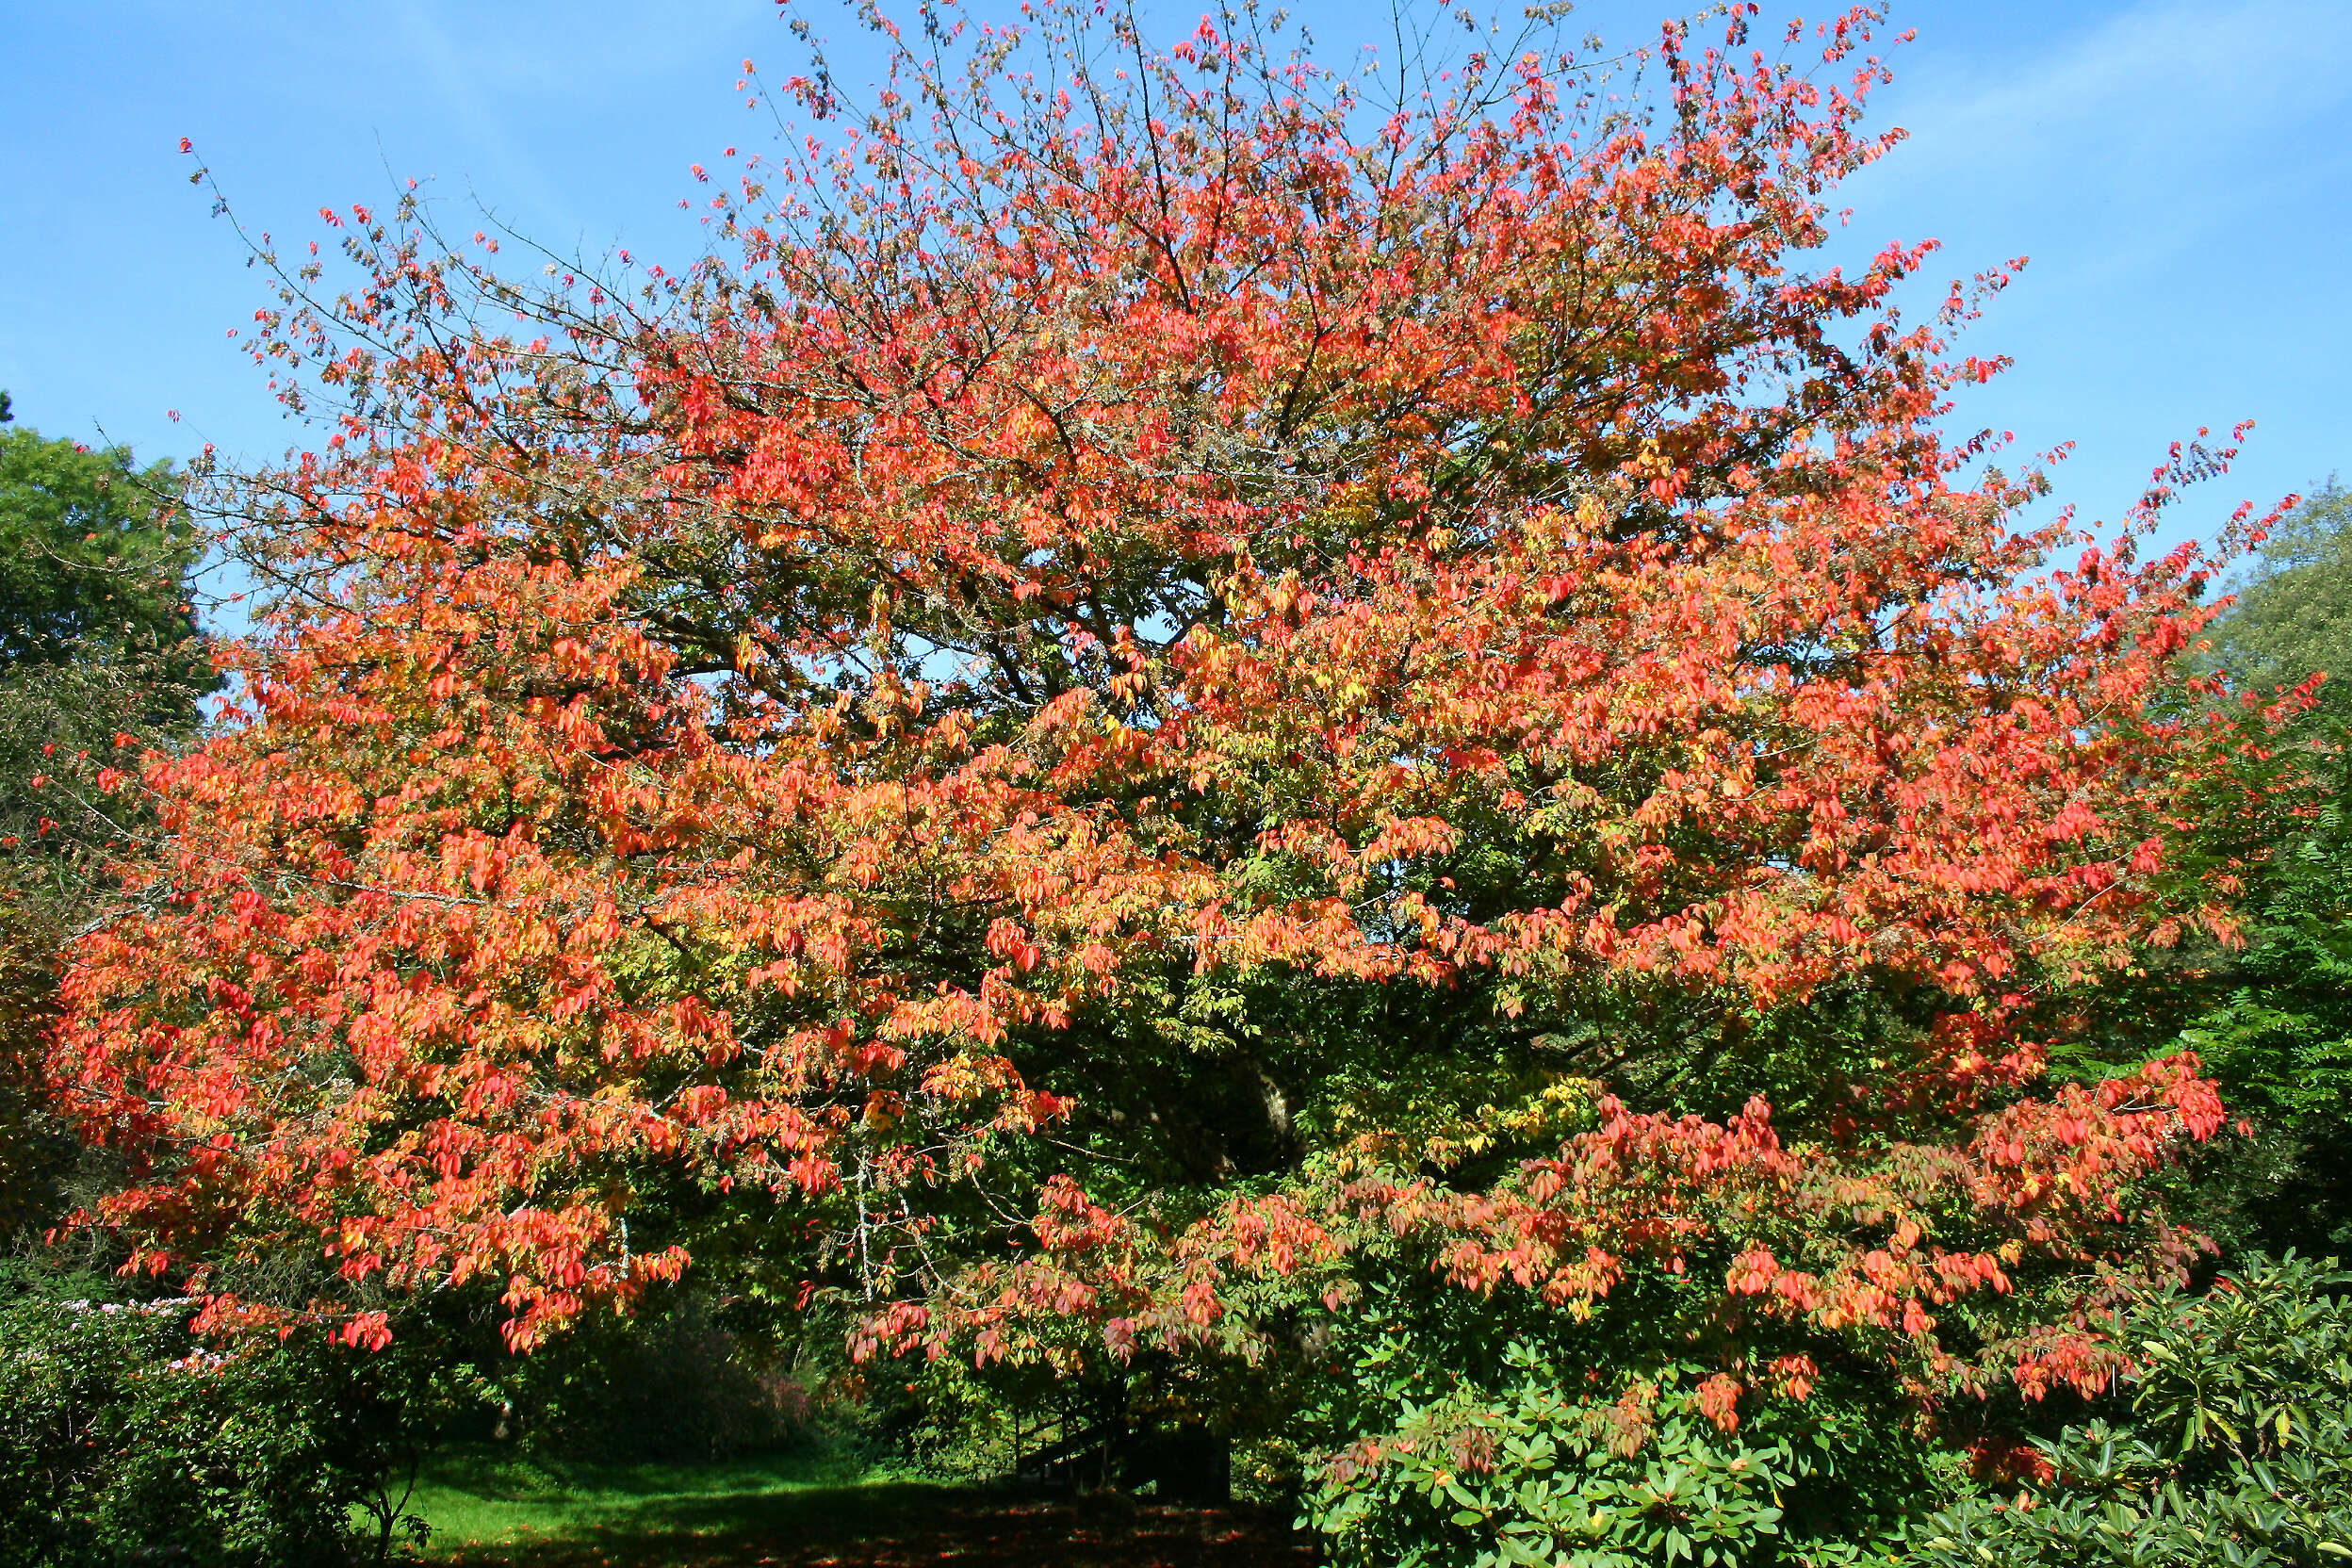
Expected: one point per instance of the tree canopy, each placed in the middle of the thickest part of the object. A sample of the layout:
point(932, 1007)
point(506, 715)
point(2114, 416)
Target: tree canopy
point(1163, 695)
point(2293, 614)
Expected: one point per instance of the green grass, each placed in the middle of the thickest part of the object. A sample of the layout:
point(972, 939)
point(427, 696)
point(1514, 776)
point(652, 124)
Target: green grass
point(487, 1507)
point(492, 1498)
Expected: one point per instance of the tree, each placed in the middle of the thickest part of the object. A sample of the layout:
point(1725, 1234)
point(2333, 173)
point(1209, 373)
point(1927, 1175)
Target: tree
point(2271, 1019)
point(1167, 693)
point(97, 646)
point(2293, 614)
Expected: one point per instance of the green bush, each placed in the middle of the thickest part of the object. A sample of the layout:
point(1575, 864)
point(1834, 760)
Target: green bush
point(123, 1440)
point(2235, 1444)
point(1441, 1449)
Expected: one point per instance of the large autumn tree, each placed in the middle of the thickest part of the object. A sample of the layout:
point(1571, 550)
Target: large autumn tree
point(1162, 685)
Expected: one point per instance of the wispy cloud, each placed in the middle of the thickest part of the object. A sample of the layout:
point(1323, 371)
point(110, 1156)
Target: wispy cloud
point(480, 107)
point(2154, 121)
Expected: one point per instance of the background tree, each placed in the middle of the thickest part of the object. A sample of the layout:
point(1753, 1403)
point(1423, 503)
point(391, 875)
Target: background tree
point(2293, 614)
point(98, 647)
point(2274, 1020)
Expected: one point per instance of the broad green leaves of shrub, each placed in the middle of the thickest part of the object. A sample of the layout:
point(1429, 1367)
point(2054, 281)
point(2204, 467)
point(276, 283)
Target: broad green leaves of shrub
point(1551, 1468)
point(2237, 1448)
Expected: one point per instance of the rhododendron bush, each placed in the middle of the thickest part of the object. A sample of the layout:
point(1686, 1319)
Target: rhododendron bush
point(1171, 681)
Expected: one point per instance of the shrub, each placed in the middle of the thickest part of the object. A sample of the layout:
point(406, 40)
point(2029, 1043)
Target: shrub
point(1446, 1453)
point(2234, 1446)
point(123, 1439)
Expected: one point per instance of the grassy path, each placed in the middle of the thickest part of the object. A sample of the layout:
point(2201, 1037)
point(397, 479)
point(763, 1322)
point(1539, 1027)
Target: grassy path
point(489, 1511)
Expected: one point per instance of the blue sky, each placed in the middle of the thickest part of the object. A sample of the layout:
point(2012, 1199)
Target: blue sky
point(2179, 174)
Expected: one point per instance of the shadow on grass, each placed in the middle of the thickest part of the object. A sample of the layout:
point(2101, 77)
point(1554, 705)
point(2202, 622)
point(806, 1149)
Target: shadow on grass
point(811, 1516)
point(496, 1477)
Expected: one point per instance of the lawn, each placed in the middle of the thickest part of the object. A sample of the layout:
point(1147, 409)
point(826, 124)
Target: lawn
point(489, 1508)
